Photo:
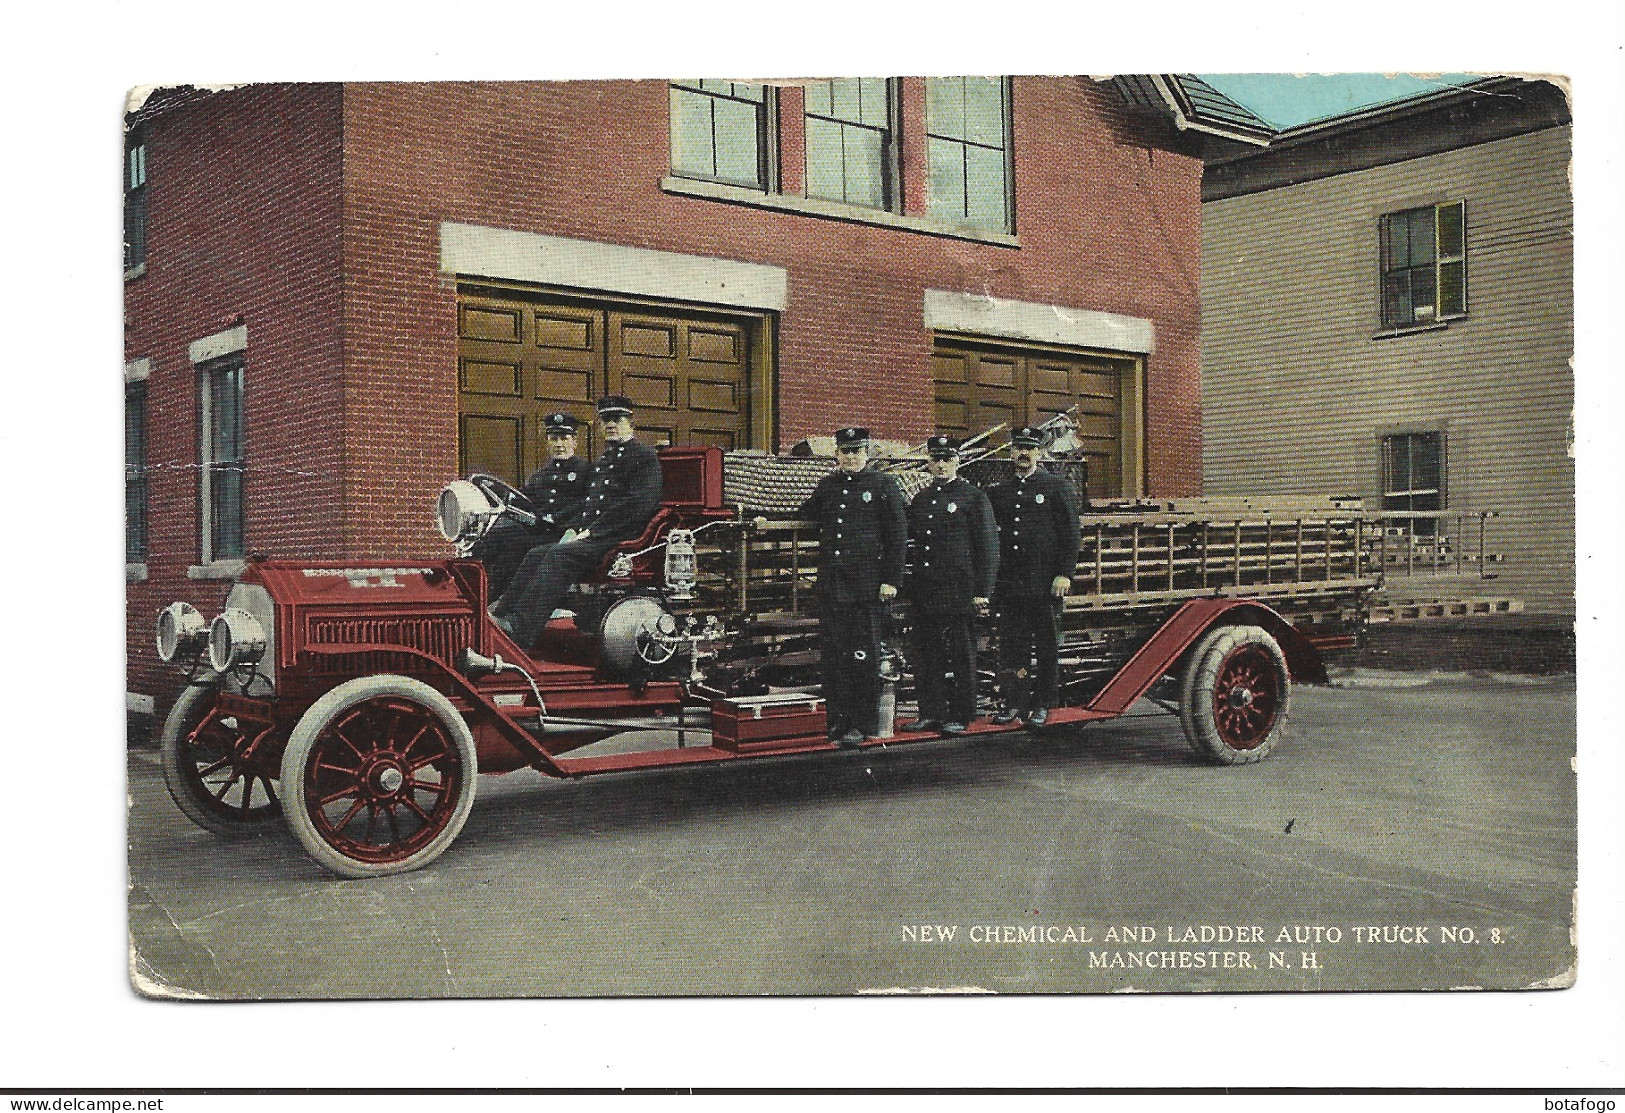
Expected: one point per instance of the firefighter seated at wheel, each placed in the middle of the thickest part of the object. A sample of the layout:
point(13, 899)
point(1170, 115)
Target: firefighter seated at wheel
point(1038, 553)
point(953, 560)
point(622, 495)
point(555, 491)
point(863, 533)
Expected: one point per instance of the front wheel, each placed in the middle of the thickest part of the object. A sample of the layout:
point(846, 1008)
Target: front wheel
point(378, 776)
point(1234, 695)
point(211, 768)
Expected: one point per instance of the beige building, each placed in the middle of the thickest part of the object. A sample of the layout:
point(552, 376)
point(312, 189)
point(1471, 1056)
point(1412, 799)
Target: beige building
point(1387, 311)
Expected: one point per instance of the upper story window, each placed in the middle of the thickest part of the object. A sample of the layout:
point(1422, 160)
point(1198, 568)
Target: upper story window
point(1413, 476)
point(719, 131)
point(135, 199)
point(224, 463)
point(967, 123)
point(851, 154)
point(1424, 265)
point(135, 471)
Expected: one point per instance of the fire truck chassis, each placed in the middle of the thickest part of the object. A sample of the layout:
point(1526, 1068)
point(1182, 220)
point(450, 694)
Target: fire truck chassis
point(359, 704)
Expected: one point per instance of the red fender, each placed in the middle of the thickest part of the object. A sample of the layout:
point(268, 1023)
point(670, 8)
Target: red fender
point(1184, 628)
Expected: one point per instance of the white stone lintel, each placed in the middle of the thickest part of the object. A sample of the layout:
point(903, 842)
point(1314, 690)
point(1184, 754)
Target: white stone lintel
point(220, 344)
point(980, 315)
point(137, 369)
point(477, 251)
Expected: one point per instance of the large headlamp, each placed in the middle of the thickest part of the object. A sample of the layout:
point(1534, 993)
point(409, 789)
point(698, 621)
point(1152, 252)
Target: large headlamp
point(236, 639)
point(182, 634)
point(462, 511)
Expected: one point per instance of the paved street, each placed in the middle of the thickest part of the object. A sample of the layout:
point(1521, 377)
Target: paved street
point(1090, 861)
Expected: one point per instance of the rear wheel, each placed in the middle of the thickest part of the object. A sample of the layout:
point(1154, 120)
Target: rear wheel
point(1234, 695)
point(211, 770)
point(379, 776)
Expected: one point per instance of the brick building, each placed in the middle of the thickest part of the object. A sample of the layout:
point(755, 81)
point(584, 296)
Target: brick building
point(340, 296)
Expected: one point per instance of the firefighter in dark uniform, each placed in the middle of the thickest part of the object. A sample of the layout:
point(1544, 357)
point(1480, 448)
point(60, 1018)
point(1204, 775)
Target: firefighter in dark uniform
point(862, 540)
point(1038, 553)
point(953, 559)
point(623, 493)
point(555, 489)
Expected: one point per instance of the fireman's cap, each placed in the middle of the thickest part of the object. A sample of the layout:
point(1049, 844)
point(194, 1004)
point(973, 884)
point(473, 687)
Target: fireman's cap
point(615, 405)
point(1027, 437)
point(940, 447)
point(852, 437)
point(560, 425)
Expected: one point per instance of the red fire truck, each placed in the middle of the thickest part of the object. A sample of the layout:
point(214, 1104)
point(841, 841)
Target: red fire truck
point(361, 703)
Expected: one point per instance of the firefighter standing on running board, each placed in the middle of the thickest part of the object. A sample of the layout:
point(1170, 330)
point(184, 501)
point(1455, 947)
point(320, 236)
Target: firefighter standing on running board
point(1038, 553)
point(953, 559)
point(863, 535)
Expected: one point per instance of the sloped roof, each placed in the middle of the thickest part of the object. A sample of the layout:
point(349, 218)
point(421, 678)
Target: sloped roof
point(1195, 105)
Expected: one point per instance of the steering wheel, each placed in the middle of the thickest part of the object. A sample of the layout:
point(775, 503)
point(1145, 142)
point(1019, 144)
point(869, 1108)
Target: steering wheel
point(511, 502)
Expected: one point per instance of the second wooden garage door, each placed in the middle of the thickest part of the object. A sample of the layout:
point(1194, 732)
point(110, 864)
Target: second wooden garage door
point(979, 386)
point(689, 375)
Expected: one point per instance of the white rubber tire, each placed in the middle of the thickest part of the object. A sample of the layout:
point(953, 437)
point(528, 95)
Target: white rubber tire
point(310, 733)
point(1241, 724)
point(186, 788)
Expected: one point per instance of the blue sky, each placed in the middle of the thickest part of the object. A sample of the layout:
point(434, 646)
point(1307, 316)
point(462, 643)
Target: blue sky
point(1286, 100)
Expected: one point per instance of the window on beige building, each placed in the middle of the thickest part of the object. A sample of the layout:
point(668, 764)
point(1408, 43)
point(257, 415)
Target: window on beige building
point(1413, 477)
point(1424, 265)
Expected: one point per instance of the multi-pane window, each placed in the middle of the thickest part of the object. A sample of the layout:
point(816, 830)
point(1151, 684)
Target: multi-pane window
point(968, 147)
point(850, 152)
point(135, 200)
point(1424, 265)
point(135, 472)
point(719, 131)
point(223, 463)
point(1413, 476)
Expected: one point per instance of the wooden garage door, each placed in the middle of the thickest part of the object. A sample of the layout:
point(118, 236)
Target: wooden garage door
point(981, 386)
point(521, 358)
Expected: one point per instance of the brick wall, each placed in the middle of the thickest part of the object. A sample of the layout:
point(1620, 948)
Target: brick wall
point(243, 228)
point(1107, 213)
point(312, 214)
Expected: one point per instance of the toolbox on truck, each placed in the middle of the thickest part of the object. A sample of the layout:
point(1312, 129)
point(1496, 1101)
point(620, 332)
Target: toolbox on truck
point(751, 724)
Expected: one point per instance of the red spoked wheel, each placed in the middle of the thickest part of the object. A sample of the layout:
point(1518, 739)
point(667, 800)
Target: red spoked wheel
point(379, 776)
point(1234, 695)
point(214, 766)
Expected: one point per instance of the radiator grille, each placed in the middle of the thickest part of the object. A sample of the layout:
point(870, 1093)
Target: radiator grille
point(438, 637)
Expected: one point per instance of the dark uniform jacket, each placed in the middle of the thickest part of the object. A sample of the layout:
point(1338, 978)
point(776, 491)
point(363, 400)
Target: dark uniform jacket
point(862, 534)
point(557, 489)
point(1038, 533)
point(623, 493)
point(953, 546)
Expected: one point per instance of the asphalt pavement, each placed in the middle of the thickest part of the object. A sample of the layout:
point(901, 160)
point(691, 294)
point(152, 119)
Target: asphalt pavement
point(1412, 831)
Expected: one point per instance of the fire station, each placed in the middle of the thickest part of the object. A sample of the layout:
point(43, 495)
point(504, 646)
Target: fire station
point(340, 296)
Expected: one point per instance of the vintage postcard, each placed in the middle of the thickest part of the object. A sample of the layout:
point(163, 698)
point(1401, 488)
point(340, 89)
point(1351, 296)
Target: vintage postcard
point(850, 536)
